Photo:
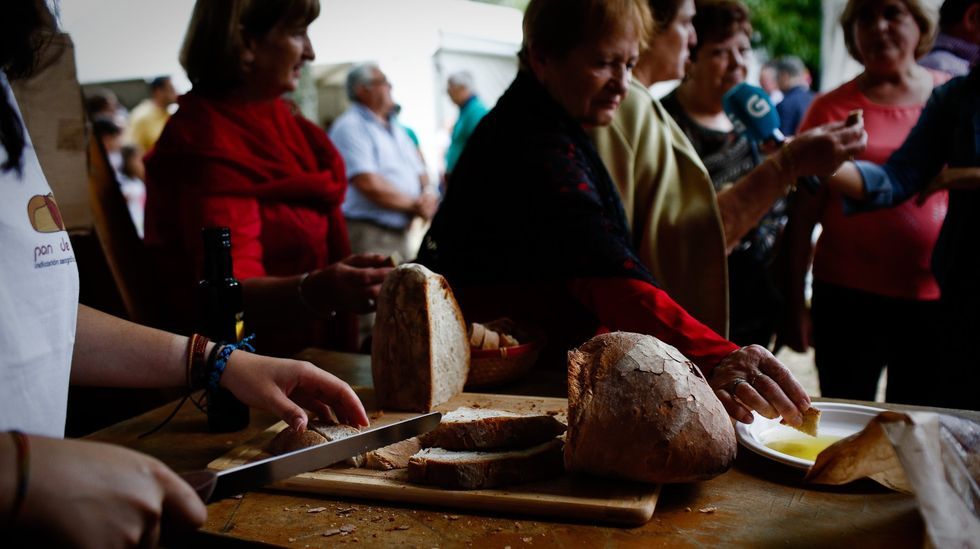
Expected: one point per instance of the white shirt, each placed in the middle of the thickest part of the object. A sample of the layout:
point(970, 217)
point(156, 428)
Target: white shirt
point(38, 298)
point(368, 146)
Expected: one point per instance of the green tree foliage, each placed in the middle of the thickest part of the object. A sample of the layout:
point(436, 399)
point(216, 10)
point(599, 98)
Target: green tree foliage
point(789, 27)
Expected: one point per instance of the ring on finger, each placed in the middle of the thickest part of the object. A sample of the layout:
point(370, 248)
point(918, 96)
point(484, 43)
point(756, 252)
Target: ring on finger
point(735, 383)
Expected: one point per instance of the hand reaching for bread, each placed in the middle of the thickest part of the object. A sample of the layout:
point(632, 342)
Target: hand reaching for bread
point(752, 379)
point(288, 388)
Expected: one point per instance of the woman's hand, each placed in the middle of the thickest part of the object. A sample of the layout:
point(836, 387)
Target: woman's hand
point(951, 178)
point(289, 387)
point(752, 379)
point(351, 284)
point(88, 494)
point(821, 150)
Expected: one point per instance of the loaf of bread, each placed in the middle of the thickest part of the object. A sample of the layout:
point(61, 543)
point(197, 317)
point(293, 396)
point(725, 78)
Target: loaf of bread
point(639, 410)
point(488, 429)
point(316, 433)
point(475, 470)
point(420, 355)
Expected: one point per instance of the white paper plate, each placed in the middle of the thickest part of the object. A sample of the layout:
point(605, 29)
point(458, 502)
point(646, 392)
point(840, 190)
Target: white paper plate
point(836, 419)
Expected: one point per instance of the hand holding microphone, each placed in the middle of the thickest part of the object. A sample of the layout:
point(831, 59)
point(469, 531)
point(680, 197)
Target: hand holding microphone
point(817, 152)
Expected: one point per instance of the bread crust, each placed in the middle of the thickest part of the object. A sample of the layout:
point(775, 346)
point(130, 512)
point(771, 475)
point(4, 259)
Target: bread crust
point(403, 351)
point(488, 469)
point(493, 433)
point(639, 410)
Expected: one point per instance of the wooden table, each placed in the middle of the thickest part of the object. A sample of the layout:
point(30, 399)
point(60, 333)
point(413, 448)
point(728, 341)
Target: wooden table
point(757, 503)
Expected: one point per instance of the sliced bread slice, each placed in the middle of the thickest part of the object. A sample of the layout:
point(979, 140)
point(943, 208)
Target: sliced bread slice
point(393, 456)
point(488, 429)
point(316, 433)
point(475, 470)
point(420, 355)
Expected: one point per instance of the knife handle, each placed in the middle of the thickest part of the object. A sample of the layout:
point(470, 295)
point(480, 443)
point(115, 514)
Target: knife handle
point(203, 482)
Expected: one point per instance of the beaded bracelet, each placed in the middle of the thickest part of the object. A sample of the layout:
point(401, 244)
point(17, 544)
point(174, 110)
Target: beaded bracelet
point(196, 346)
point(216, 369)
point(23, 445)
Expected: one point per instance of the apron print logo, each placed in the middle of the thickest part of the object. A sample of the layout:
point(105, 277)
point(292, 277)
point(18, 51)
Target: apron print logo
point(44, 214)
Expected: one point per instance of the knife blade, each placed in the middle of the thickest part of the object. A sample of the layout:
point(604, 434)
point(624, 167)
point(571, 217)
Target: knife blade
point(214, 485)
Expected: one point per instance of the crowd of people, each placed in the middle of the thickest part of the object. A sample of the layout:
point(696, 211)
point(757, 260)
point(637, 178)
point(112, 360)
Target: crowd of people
point(578, 203)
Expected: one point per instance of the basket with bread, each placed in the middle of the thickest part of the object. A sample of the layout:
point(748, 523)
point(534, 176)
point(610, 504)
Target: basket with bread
point(500, 352)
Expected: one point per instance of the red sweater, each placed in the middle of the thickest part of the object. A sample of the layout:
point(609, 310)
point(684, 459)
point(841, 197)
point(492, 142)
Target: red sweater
point(270, 175)
point(886, 252)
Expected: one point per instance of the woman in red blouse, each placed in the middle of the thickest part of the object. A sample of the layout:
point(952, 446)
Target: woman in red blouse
point(236, 154)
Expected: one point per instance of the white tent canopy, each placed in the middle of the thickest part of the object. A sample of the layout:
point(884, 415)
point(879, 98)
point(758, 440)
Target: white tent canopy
point(416, 43)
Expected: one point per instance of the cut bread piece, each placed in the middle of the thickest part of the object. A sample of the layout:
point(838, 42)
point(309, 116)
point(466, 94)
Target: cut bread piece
point(488, 429)
point(393, 456)
point(639, 410)
point(316, 433)
point(811, 421)
point(420, 356)
point(475, 470)
point(478, 333)
point(491, 340)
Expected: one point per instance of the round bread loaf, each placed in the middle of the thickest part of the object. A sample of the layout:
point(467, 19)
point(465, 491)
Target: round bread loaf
point(639, 410)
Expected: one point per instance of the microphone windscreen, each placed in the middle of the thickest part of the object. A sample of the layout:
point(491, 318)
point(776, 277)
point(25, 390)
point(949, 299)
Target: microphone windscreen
point(751, 110)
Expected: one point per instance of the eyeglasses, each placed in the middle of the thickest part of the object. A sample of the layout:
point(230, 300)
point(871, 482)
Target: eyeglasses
point(380, 81)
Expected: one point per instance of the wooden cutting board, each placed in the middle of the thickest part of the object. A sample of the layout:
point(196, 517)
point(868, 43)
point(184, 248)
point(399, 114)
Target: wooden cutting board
point(568, 496)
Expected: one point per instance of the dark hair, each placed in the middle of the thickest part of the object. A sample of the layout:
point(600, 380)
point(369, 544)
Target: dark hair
point(664, 12)
point(159, 83)
point(212, 49)
point(952, 11)
point(98, 101)
point(103, 125)
point(922, 15)
point(23, 33)
point(128, 153)
point(719, 20)
point(556, 27)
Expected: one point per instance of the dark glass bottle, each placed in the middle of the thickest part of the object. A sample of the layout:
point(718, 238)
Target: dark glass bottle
point(222, 320)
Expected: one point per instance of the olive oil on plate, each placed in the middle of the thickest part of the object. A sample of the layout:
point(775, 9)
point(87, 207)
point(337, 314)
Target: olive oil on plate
point(805, 447)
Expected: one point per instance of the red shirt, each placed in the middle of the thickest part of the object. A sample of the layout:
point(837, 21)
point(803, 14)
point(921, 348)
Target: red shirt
point(270, 175)
point(886, 252)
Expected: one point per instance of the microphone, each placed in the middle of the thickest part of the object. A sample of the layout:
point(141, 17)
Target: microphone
point(752, 113)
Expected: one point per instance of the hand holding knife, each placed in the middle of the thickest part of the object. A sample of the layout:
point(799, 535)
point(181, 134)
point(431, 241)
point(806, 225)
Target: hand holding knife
point(215, 485)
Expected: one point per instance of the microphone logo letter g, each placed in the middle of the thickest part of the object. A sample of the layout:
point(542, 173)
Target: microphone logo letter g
point(757, 106)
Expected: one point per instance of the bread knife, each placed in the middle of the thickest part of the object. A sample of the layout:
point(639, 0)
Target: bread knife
point(215, 485)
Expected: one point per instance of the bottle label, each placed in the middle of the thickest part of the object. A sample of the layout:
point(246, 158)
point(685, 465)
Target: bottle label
point(239, 326)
